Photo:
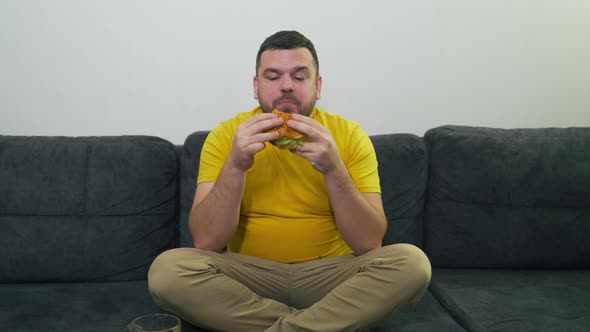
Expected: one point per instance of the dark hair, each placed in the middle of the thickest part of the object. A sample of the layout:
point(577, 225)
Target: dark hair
point(286, 40)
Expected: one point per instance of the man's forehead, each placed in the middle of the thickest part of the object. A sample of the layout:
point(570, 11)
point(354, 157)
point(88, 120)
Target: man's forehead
point(277, 58)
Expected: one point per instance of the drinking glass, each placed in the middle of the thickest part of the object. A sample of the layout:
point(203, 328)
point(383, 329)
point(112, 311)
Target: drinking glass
point(155, 323)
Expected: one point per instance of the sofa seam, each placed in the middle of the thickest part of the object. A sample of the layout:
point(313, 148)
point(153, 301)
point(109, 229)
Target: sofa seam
point(86, 178)
point(454, 310)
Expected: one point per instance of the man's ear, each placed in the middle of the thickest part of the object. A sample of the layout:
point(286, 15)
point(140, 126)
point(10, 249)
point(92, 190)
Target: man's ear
point(318, 85)
point(255, 83)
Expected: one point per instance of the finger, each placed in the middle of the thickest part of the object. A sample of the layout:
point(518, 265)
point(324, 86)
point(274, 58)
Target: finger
point(304, 147)
point(255, 148)
point(265, 137)
point(309, 121)
point(318, 127)
point(258, 118)
point(264, 125)
point(298, 152)
point(304, 154)
point(309, 131)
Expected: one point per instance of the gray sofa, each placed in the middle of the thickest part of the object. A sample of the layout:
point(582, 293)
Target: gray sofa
point(504, 216)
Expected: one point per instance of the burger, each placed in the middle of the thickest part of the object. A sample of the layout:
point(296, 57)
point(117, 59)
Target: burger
point(289, 138)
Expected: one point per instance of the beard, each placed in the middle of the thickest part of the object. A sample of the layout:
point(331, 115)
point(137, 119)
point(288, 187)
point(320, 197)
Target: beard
point(295, 107)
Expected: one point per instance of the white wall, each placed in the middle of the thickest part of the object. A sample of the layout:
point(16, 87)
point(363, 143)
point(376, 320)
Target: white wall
point(168, 68)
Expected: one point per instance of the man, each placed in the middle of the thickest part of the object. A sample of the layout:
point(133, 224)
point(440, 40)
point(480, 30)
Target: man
point(302, 227)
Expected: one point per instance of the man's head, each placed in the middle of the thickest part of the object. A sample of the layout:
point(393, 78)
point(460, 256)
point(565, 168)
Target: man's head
point(286, 40)
point(287, 74)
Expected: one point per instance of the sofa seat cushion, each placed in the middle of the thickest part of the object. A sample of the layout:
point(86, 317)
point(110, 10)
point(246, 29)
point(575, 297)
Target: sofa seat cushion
point(87, 307)
point(110, 306)
point(515, 300)
point(425, 316)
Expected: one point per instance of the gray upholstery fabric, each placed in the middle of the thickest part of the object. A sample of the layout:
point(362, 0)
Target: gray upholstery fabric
point(189, 170)
point(77, 212)
point(83, 307)
point(516, 300)
point(85, 208)
point(427, 315)
point(508, 198)
point(403, 172)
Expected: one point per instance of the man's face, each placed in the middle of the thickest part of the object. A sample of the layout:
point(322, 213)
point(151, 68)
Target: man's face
point(287, 80)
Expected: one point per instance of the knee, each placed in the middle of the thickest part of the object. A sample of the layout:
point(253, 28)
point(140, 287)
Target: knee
point(166, 274)
point(415, 265)
point(419, 271)
point(161, 275)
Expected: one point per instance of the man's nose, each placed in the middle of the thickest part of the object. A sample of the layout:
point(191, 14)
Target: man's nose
point(287, 85)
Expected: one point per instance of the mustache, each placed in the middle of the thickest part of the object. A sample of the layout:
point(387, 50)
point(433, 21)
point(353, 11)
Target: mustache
point(286, 97)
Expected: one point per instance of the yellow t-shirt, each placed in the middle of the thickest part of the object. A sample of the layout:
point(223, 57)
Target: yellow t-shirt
point(285, 214)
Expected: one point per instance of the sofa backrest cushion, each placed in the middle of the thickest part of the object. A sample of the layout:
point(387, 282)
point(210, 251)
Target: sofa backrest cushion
point(403, 169)
point(189, 170)
point(403, 172)
point(85, 208)
point(517, 198)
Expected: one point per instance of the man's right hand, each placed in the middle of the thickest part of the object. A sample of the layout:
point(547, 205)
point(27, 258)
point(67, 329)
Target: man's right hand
point(250, 138)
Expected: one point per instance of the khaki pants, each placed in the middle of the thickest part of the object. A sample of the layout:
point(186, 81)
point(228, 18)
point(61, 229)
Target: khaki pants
point(233, 292)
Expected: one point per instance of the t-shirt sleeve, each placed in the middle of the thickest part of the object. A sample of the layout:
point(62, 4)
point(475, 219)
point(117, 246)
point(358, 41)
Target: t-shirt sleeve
point(362, 162)
point(215, 151)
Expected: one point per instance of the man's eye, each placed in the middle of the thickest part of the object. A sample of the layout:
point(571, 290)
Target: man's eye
point(272, 78)
point(299, 78)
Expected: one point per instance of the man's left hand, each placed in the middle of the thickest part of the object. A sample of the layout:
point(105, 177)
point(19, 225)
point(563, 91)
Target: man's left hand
point(318, 147)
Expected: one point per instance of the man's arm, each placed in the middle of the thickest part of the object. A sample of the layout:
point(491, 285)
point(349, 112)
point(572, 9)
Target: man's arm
point(359, 216)
point(216, 208)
